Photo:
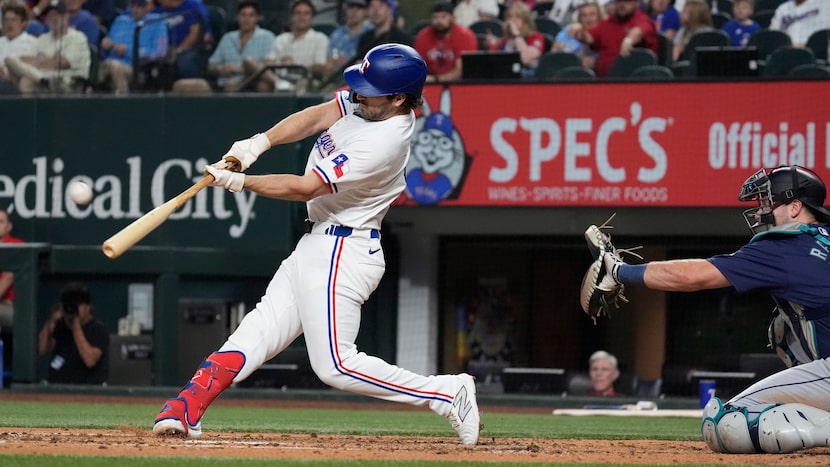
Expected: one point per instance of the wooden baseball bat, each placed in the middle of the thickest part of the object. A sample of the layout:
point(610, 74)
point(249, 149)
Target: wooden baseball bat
point(131, 234)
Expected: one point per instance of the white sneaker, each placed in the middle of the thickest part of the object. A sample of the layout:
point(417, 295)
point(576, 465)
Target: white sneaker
point(464, 416)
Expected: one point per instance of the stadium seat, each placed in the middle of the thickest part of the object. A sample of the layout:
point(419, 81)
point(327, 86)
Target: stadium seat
point(710, 38)
point(657, 72)
point(542, 9)
point(763, 17)
point(547, 26)
point(784, 59)
point(325, 28)
point(494, 27)
point(622, 67)
point(720, 6)
point(574, 73)
point(218, 21)
point(665, 48)
point(551, 62)
point(762, 5)
point(811, 70)
point(549, 40)
point(420, 24)
point(89, 84)
point(720, 18)
point(766, 41)
point(817, 42)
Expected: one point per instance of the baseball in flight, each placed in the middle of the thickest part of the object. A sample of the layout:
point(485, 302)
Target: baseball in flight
point(79, 192)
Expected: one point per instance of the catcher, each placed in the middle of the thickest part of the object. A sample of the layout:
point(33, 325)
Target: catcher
point(788, 258)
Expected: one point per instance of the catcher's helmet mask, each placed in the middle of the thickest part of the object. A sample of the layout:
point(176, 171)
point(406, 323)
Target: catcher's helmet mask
point(782, 185)
point(386, 70)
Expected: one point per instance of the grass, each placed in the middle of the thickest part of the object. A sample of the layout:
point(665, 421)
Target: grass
point(353, 422)
point(69, 415)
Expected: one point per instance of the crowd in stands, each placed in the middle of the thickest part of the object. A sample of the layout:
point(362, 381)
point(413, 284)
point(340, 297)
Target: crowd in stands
point(199, 45)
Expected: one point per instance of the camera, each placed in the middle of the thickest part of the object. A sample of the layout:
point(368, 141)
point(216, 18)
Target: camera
point(73, 295)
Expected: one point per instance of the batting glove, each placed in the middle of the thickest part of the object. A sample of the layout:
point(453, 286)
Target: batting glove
point(231, 181)
point(244, 153)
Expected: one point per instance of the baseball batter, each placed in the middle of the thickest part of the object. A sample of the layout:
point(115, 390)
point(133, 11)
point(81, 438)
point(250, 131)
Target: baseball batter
point(787, 258)
point(354, 172)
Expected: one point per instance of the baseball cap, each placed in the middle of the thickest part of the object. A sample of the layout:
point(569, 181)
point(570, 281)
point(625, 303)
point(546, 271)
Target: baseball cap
point(442, 6)
point(393, 5)
point(58, 5)
point(488, 8)
point(361, 3)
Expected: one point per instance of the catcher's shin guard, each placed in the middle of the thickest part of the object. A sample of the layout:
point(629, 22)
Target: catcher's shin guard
point(773, 428)
point(182, 415)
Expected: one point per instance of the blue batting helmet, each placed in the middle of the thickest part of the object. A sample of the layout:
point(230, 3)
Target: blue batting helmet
point(386, 70)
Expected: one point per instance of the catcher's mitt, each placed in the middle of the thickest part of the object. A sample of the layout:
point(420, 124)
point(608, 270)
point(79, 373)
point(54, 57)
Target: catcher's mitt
point(601, 291)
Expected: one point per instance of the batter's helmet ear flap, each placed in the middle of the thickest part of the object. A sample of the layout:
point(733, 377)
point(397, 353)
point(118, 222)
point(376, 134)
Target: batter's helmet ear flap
point(386, 70)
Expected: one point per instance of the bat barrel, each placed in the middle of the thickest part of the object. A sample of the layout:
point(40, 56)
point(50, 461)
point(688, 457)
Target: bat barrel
point(131, 234)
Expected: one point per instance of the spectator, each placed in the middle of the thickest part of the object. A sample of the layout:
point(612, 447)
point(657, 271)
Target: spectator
point(81, 20)
point(695, 18)
point(301, 46)
point(7, 277)
point(618, 34)
point(38, 8)
point(117, 47)
point(666, 18)
point(14, 43)
point(60, 56)
point(520, 35)
point(741, 26)
point(801, 18)
point(564, 11)
point(187, 31)
point(343, 40)
point(442, 43)
point(75, 341)
point(382, 15)
point(243, 52)
point(467, 12)
point(603, 372)
point(588, 14)
point(104, 11)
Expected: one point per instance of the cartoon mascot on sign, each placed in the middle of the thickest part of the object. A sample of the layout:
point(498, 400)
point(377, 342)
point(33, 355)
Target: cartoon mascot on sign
point(438, 163)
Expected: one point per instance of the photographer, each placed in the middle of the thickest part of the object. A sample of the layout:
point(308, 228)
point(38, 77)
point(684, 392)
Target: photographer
point(76, 342)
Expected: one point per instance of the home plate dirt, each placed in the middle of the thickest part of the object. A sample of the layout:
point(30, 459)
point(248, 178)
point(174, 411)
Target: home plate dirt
point(130, 441)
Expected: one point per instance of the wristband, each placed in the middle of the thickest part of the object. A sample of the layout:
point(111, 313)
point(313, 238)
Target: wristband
point(261, 143)
point(632, 274)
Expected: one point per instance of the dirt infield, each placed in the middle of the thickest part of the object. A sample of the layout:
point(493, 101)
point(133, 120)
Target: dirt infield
point(131, 441)
point(128, 441)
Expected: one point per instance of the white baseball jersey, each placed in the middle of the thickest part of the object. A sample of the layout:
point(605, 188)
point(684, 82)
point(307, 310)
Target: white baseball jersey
point(363, 164)
point(800, 21)
point(319, 289)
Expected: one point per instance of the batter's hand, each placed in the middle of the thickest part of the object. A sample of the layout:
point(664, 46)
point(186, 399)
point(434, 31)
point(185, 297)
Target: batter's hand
point(245, 152)
point(231, 181)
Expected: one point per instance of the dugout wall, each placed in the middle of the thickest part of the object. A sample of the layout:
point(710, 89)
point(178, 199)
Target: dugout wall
point(519, 155)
